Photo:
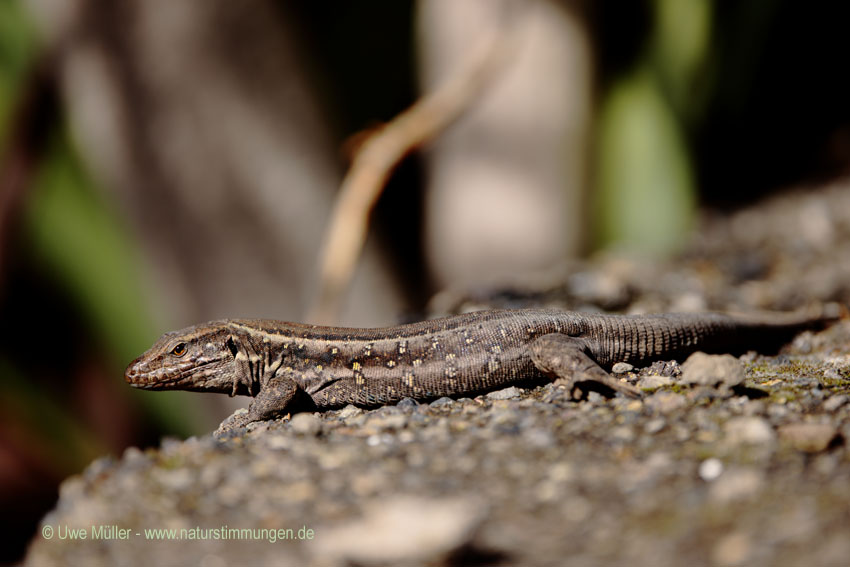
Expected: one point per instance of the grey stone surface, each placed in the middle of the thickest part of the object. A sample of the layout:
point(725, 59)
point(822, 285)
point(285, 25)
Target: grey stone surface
point(688, 475)
point(714, 371)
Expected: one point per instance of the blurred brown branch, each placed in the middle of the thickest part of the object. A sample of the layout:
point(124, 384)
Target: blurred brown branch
point(378, 155)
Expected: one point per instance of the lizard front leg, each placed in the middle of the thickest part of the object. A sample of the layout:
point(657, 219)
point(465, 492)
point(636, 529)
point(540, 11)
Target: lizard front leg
point(277, 397)
point(566, 359)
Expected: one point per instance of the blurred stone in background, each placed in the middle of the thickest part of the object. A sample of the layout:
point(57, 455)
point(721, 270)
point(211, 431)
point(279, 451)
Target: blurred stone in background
point(199, 117)
point(505, 185)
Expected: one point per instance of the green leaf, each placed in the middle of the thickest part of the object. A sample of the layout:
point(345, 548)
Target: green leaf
point(645, 190)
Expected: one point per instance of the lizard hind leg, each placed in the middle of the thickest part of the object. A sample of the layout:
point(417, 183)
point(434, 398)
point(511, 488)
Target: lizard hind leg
point(566, 359)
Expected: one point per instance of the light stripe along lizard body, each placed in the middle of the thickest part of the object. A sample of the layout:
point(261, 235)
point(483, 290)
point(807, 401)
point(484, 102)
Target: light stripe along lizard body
point(291, 367)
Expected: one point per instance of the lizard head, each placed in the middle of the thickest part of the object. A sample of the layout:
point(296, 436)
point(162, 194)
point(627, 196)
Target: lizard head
point(202, 357)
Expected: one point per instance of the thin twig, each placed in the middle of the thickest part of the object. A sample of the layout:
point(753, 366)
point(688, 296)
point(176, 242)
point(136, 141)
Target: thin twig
point(378, 156)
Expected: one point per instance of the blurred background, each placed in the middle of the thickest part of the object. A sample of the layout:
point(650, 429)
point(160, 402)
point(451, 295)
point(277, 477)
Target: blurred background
point(166, 163)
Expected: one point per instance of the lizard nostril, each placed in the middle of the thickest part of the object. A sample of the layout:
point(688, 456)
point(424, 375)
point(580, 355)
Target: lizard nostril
point(133, 371)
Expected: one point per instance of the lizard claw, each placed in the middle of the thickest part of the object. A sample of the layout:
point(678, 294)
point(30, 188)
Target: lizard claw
point(239, 419)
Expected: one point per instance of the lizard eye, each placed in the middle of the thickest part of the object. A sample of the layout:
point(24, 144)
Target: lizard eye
point(179, 349)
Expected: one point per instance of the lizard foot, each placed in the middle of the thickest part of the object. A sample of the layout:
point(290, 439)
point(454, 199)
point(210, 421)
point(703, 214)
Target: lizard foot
point(239, 419)
point(565, 358)
point(276, 399)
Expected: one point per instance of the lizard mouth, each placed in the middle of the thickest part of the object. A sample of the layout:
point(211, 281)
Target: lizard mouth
point(139, 375)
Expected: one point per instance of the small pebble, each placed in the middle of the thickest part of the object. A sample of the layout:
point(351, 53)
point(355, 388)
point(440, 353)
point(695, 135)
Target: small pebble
point(748, 430)
point(510, 393)
point(832, 403)
point(732, 550)
point(736, 484)
point(387, 422)
point(349, 411)
point(777, 411)
point(654, 425)
point(305, 424)
point(710, 469)
point(401, 530)
point(666, 402)
point(595, 398)
point(669, 368)
point(654, 382)
point(832, 374)
point(540, 438)
point(134, 455)
point(622, 368)
point(719, 370)
point(808, 437)
point(623, 434)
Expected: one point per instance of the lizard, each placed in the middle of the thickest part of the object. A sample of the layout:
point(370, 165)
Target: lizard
point(291, 367)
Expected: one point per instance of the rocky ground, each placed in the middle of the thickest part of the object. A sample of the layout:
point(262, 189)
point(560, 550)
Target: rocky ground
point(726, 461)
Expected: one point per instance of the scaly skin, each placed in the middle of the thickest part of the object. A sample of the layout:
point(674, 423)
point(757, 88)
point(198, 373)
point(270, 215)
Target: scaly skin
point(292, 367)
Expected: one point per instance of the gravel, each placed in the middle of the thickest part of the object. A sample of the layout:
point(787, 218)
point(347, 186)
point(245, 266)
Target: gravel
point(726, 460)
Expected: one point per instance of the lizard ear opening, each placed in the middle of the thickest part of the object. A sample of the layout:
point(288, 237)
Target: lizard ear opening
point(231, 345)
